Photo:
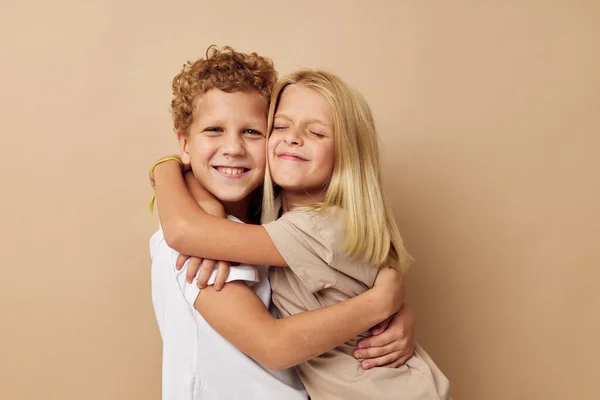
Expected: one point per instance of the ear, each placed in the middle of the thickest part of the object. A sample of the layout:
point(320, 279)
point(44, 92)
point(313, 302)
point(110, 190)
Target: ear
point(184, 143)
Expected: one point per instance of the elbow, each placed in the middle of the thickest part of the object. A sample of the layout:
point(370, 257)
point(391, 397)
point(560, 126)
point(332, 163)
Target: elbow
point(275, 361)
point(275, 355)
point(281, 356)
point(173, 231)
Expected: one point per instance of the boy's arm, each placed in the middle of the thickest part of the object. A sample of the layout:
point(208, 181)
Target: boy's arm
point(392, 344)
point(241, 318)
point(293, 352)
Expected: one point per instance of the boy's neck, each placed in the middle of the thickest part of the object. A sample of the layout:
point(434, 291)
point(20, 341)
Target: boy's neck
point(238, 209)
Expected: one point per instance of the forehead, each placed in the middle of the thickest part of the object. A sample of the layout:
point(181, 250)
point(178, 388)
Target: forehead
point(299, 101)
point(241, 106)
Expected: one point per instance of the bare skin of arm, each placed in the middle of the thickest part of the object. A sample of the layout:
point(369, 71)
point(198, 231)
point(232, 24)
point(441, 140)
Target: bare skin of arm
point(184, 226)
point(212, 206)
point(180, 218)
point(241, 318)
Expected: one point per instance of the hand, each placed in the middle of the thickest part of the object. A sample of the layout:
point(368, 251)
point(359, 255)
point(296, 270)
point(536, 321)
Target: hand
point(206, 268)
point(392, 342)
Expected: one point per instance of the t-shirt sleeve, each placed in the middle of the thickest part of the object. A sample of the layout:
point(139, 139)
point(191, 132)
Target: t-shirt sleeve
point(298, 239)
point(162, 253)
point(190, 291)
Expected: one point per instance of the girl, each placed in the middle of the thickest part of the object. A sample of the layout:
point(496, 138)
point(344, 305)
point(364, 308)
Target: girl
point(323, 218)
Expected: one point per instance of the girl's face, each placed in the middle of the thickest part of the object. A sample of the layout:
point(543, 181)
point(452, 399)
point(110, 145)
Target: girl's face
point(301, 146)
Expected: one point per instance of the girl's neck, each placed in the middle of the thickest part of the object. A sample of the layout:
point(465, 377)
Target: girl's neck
point(291, 200)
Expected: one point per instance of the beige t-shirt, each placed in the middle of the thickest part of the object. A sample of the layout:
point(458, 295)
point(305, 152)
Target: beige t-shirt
point(321, 274)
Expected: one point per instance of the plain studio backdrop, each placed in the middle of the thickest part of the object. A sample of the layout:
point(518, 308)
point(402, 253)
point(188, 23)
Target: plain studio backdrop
point(489, 116)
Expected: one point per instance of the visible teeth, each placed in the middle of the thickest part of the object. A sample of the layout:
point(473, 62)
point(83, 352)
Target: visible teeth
point(231, 171)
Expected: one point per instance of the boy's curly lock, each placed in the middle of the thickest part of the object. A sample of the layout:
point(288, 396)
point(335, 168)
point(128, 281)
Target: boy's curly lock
point(224, 69)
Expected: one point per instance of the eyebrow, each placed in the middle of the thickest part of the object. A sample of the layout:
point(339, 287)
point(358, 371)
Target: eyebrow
point(308, 121)
point(210, 121)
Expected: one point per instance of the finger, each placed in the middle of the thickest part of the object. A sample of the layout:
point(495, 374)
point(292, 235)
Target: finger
point(192, 269)
point(181, 259)
point(374, 352)
point(388, 336)
point(380, 327)
point(401, 361)
point(379, 361)
point(205, 272)
point(222, 273)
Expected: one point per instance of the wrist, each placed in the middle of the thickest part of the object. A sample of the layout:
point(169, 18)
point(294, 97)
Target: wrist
point(167, 165)
point(383, 302)
point(165, 160)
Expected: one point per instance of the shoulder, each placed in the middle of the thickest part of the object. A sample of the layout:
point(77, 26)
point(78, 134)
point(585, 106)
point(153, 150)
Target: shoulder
point(158, 244)
point(331, 218)
point(331, 225)
point(297, 232)
point(323, 225)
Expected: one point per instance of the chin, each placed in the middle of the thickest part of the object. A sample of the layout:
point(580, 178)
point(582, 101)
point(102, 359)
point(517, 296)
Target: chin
point(232, 198)
point(289, 184)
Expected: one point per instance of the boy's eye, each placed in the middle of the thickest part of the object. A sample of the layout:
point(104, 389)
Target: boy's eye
point(253, 132)
point(213, 129)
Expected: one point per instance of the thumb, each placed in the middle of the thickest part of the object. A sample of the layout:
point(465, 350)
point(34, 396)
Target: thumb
point(380, 327)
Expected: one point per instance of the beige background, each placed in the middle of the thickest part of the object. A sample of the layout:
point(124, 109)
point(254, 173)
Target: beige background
point(490, 123)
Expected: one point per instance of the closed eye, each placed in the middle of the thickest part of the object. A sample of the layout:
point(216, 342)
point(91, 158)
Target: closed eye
point(317, 134)
point(279, 127)
point(213, 129)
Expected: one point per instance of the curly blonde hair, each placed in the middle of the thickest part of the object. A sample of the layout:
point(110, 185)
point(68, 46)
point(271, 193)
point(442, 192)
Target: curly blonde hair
point(224, 69)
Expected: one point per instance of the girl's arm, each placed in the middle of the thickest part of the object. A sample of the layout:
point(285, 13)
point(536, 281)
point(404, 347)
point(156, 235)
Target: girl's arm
point(241, 318)
point(190, 230)
point(209, 203)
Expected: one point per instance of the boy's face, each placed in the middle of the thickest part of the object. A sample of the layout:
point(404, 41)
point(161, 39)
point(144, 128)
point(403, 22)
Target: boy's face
point(226, 144)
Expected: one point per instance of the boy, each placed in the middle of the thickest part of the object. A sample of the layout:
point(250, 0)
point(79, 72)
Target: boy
point(219, 110)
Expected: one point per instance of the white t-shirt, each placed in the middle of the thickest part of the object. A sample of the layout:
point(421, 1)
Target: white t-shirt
point(197, 362)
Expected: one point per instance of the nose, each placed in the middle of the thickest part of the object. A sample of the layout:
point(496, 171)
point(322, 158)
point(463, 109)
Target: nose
point(233, 146)
point(292, 137)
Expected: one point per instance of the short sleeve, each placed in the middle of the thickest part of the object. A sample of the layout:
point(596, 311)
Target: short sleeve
point(297, 237)
point(190, 291)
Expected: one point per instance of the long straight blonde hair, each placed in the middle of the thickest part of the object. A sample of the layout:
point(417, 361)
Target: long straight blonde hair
point(355, 186)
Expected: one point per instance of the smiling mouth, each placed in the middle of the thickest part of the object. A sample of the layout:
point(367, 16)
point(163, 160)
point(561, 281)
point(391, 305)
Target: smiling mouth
point(232, 171)
point(291, 157)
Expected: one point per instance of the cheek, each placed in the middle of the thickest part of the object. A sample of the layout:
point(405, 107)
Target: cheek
point(201, 151)
point(275, 138)
point(271, 146)
point(258, 152)
point(327, 156)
